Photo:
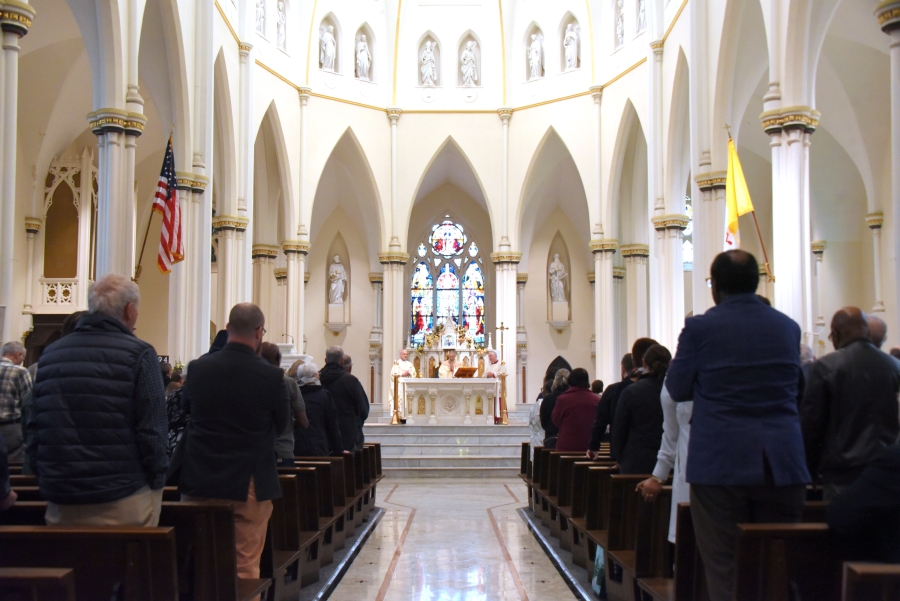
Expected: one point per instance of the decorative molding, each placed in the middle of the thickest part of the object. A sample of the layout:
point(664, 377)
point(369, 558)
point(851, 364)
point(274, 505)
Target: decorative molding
point(505, 114)
point(605, 245)
point(875, 220)
point(657, 45)
point(790, 117)
point(304, 93)
point(596, 92)
point(634, 250)
point(280, 273)
point(393, 257)
point(230, 222)
point(295, 246)
point(376, 277)
point(306, 278)
point(185, 180)
point(264, 251)
point(888, 15)
point(16, 17)
point(505, 257)
point(245, 47)
point(394, 113)
point(676, 221)
point(711, 181)
point(818, 247)
point(521, 278)
point(117, 121)
point(33, 224)
point(618, 273)
point(591, 277)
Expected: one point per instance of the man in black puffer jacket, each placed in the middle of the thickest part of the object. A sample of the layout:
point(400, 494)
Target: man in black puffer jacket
point(349, 397)
point(98, 420)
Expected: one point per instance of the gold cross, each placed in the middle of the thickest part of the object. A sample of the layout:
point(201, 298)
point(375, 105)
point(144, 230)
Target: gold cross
point(501, 329)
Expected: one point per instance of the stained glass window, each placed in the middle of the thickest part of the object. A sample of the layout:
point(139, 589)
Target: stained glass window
point(687, 245)
point(473, 303)
point(422, 293)
point(448, 293)
point(447, 239)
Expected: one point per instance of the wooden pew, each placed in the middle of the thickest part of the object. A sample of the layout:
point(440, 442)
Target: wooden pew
point(37, 584)
point(130, 564)
point(285, 549)
point(652, 556)
point(324, 505)
point(342, 507)
point(625, 505)
point(871, 582)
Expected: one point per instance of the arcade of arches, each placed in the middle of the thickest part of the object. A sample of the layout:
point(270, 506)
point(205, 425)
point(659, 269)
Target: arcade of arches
point(303, 131)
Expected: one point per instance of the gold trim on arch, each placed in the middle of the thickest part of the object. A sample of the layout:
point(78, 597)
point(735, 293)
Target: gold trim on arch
point(228, 23)
point(309, 40)
point(396, 51)
point(503, 50)
point(587, 3)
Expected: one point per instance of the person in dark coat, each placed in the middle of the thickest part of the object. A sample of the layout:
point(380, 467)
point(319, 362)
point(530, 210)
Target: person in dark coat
point(573, 412)
point(239, 404)
point(348, 395)
point(7, 494)
point(284, 444)
point(323, 436)
point(559, 386)
point(638, 429)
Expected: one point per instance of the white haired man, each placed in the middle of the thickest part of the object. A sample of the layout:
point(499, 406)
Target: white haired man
point(98, 420)
point(15, 384)
point(492, 365)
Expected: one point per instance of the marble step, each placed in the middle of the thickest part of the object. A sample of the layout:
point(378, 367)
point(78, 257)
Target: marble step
point(444, 461)
point(452, 472)
point(450, 449)
point(479, 429)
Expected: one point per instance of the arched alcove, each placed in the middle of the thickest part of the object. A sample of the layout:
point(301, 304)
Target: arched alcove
point(569, 36)
point(429, 38)
point(338, 248)
point(365, 35)
point(61, 232)
point(330, 37)
point(534, 50)
point(559, 251)
point(469, 45)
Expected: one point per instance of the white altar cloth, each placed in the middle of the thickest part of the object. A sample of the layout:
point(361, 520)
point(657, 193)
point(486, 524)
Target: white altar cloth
point(448, 401)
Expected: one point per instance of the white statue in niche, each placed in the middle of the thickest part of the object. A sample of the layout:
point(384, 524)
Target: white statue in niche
point(557, 280)
point(429, 65)
point(327, 48)
point(535, 57)
point(570, 45)
point(363, 58)
point(337, 278)
point(261, 17)
point(620, 23)
point(282, 19)
point(642, 15)
point(467, 65)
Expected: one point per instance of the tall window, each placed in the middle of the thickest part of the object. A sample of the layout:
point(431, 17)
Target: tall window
point(447, 284)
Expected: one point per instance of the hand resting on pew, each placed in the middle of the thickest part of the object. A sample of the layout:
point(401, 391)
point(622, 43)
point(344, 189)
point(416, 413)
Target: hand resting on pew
point(649, 488)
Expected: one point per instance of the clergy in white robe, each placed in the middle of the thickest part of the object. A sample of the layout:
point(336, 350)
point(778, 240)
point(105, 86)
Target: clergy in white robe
point(492, 365)
point(404, 367)
point(448, 368)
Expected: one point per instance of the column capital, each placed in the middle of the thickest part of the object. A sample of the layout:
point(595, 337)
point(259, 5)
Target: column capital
point(507, 257)
point(244, 48)
point(634, 250)
point(596, 93)
point(393, 258)
point(185, 180)
point(591, 277)
point(618, 273)
point(676, 221)
point(33, 224)
point(264, 251)
point(604, 245)
point(505, 114)
point(710, 181)
point(376, 278)
point(521, 278)
point(304, 94)
point(818, 247)
point(230, 222)
point(280, 273)
point(16, 16)
point(294, 247)
point(790, 117)
point(393, 114)
point(116, 120)
point(657, 46)
point(888, 15)
point(875, 220)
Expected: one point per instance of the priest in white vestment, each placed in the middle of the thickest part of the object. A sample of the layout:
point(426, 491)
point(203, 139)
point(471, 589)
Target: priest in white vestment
point(492, 365)
point(404, 367)
point(449, 367)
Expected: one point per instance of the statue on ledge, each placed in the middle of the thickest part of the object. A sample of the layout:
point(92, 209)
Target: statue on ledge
point(337, 276)
point(448, 368)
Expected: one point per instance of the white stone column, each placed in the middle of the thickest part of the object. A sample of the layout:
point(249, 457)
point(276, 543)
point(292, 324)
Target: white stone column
point(245, 173)
point(263, 256)
point(874, 221)
point(395, 308)
point(636, 311)
point(295, 251)
point(180, 305)
point(668, 297)
point(505, 116)
point(888, 15)
point(197, 262)
point(521, 338)
point(709, 234)
point(604, 308)
point(376, 340)
point(14, 21)
point(620, 279)
point(302, 243)
point(819, 335)
point(393, 114)
point(85, 219)
point(505, 281)
point(228, 228)
point(789, 132)
point(32, 227)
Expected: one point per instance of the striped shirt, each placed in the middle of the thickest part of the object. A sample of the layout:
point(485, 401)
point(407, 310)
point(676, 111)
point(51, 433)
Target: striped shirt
point(15, 383)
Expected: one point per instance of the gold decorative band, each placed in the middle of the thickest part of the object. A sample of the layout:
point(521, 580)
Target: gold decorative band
point(874, 220)
point(618, 273)
point(116, 120)
point(505, 113)
point(264, 251)
point(818, 247)
point(657, 45)
point(295, 246)
point(33, 224)
point(888, 14)
point(185, 180)
point(229, 222)
point(393, 113)
point(671, 222)
point(791, 117)
point(634, 250)
point(280, 273)
point(506, 257)
point(243, 47)
point(306, 278)
point(16, 16)
point(591, 277)
point(393, 257)
point(521, 278)
point(710, 181)
point(376, 278)
point(604, 245)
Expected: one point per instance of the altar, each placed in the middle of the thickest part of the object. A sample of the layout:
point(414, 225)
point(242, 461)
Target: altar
point(448, 401)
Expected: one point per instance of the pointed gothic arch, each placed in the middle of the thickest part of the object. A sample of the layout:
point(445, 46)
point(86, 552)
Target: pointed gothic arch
point(630, 143)
point(273, 194)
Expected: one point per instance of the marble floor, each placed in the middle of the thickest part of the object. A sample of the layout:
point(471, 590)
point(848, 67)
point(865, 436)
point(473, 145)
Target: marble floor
point(451, 540)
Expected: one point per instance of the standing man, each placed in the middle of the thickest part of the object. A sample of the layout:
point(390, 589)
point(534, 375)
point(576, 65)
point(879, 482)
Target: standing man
point(404, 367)
point(284, 444)
point(740, 364)
point(15, 384)
point(98, 421)
point(349, 397)
point(877, 330)
point(849, 408)
point(492, 365)
point(239, 404)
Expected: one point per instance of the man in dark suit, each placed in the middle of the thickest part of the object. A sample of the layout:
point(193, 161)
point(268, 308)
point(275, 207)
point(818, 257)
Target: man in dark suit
point(238, 405)
point(740, 364)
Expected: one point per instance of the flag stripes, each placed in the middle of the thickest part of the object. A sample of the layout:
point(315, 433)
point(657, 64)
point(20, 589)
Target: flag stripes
point(165, 202)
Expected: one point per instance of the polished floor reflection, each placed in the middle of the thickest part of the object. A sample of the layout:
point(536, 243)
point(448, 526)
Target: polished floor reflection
point(451, 540)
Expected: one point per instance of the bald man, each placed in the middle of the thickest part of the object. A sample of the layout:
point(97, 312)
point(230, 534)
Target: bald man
point(877, 330)
point(849, 410)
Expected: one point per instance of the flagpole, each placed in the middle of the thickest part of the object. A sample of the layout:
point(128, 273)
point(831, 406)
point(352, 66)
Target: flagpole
point(137, 269)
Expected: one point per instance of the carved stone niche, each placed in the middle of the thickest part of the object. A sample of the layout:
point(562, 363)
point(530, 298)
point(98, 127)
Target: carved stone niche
point(559, 288)
point(338, 312)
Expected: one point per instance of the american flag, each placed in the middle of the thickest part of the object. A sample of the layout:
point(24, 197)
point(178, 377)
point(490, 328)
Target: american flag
point(171, 246)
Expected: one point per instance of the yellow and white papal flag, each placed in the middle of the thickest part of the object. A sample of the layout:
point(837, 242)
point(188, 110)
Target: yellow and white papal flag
point(737, 198)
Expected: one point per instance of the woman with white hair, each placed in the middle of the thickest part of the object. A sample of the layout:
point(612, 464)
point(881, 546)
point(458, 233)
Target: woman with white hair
point(323, 436)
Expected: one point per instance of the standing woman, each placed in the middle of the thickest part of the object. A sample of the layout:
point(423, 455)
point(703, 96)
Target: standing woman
point(638, 428)
point(560, 385)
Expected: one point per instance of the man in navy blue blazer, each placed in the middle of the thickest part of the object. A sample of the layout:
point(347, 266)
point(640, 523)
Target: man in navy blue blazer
point(740, 363)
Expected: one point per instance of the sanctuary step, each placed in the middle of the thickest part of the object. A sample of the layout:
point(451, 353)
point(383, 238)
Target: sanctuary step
point(518, 415)
point(439, 451)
